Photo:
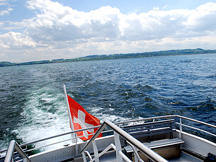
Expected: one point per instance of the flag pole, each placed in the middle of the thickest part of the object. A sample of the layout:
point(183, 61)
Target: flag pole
point(74, 139)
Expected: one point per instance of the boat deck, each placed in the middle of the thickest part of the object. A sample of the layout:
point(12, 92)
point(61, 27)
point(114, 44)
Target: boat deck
point(186, 158)
point(159, 140)
point(110, 157)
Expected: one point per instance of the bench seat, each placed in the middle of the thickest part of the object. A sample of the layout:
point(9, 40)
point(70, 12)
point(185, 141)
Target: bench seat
point(158, 144)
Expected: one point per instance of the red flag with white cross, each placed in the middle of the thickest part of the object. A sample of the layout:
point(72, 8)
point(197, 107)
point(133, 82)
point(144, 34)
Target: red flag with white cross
point(81, 119)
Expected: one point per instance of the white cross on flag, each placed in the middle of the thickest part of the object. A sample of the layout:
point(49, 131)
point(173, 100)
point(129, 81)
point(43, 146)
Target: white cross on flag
point(81, 119)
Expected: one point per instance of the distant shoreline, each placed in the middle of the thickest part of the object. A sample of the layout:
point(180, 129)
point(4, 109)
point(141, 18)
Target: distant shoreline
point(116, 56)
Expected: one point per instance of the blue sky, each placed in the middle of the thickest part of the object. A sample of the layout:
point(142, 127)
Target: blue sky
point(50, 29)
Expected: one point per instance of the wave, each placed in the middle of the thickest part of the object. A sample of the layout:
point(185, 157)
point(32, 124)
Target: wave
point(206, 106)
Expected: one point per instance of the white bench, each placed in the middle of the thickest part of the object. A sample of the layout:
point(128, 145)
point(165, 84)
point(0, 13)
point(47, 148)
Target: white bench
point(158, 144)
point(157, 135)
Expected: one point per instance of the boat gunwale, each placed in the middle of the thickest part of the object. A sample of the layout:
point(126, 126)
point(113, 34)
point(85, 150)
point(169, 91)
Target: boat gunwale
point(118, 123)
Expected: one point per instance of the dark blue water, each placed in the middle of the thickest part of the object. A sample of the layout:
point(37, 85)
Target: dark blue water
point(32, 104)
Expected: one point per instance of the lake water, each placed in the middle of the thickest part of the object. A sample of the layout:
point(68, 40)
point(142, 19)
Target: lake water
point(32, 104)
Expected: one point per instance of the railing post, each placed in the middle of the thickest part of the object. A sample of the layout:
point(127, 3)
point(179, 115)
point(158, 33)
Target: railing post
point(84, 157)
point(180, 124)
point(76, 147)
point(118, 147)
point(95, 151)
point(136, 158)
point(118, 131)
point(21, 152)
point(14, 146)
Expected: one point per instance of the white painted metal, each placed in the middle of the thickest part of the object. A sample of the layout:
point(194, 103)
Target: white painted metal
point(197, 121)
point(10, 151)
point(164, 143)
point(14, 146)
point(118, 151)
point(180, 121)
point(137, 157)
point(88, 155)
point(118, 147)
point(84, 157)
point(194, 143)
point(63, 134)
point(198, 129)
point(197, 144)
point(74, 138)
point(105, 151)
point(68, 152)
point(95, 151)
point(124, 157)
point(148, 152)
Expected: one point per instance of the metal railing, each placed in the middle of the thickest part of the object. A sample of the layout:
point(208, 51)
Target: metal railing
point(26, 150)
point(136, 155)
point(180, 120)
point(33, 143)
point(119, 155)
point(10, 152)
point(181, 125)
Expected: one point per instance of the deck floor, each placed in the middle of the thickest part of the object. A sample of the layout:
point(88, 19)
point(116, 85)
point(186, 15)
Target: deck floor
point(186, 158)
point(110, 157)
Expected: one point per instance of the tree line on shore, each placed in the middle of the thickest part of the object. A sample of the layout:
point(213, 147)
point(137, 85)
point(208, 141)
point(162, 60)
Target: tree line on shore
point(115, 56)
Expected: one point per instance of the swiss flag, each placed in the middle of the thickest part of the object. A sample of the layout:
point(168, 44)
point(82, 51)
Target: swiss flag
point(81, 119)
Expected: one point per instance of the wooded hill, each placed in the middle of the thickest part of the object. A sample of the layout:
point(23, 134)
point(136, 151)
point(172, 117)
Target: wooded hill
point(116, 56)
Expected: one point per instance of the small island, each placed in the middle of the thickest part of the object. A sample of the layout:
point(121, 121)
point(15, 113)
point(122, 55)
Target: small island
point(116, 56)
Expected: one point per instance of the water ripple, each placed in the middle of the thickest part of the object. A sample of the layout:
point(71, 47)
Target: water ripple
point(32, 99)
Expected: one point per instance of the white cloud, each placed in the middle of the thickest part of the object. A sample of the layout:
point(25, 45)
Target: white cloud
point(6, 12)
point(56, 22)
point(16, 40)
point(157, 24)
point(2, 2)
point(60, 23)
point(65, 31)
point(202, 19)
point(5, 8)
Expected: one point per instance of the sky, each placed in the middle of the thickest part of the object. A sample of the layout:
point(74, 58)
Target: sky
point(32, 30)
